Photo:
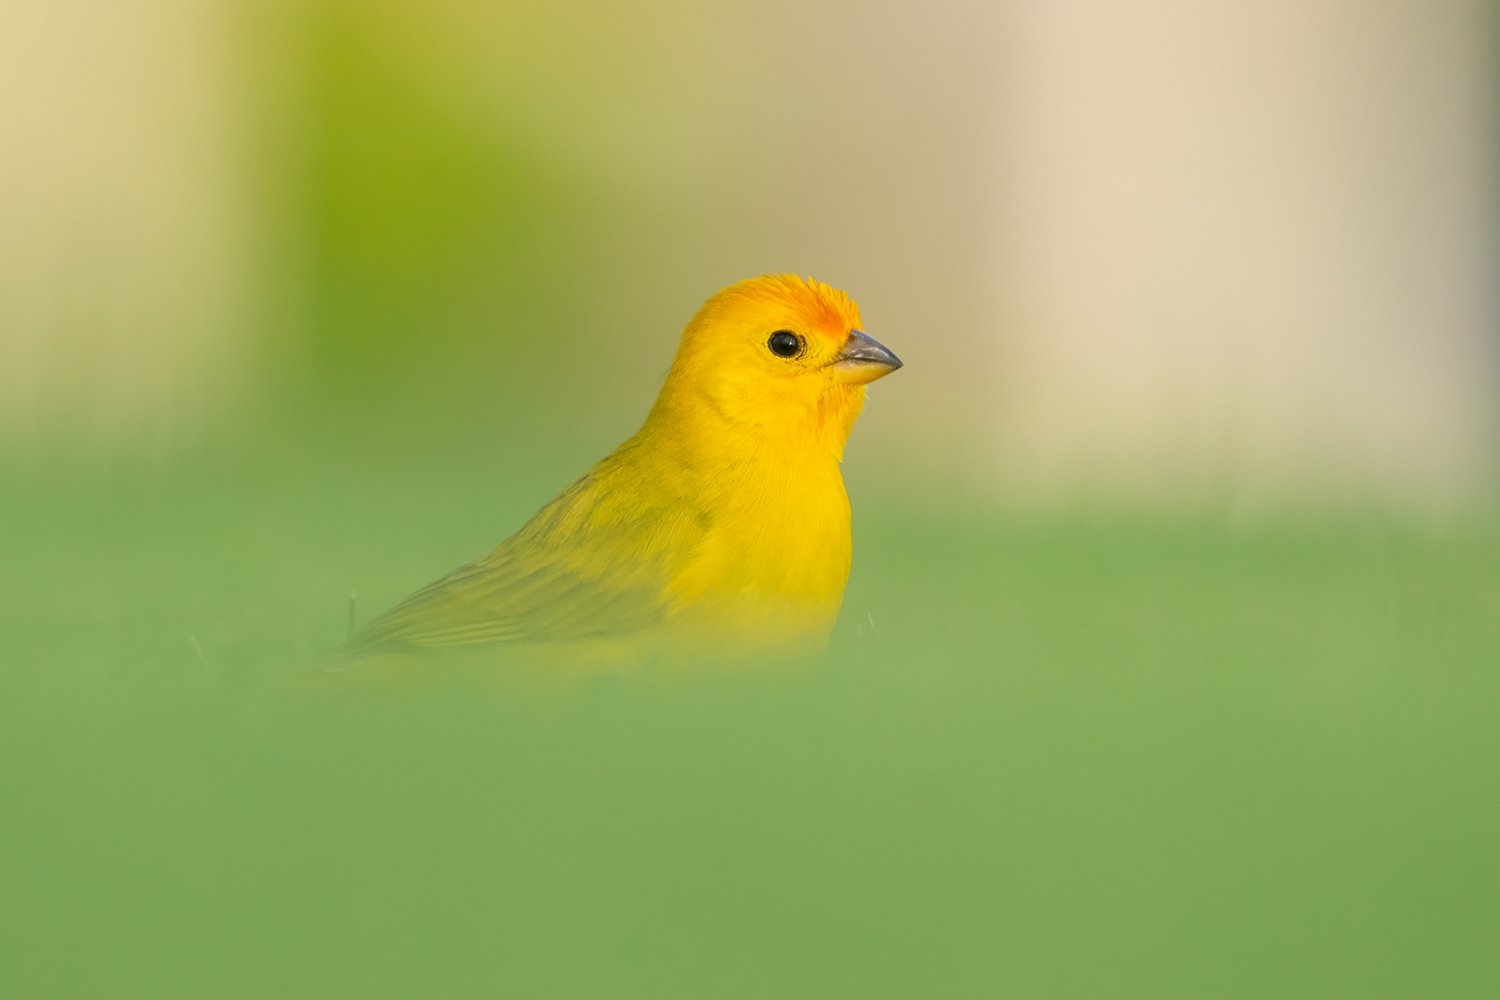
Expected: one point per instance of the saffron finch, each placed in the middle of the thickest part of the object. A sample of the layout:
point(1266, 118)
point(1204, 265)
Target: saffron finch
point(723, 524)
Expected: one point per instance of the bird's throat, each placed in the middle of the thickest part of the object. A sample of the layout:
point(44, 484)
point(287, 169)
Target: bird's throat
point(799, 422)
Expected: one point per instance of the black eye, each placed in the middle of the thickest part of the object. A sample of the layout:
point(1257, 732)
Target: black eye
point(785, 344)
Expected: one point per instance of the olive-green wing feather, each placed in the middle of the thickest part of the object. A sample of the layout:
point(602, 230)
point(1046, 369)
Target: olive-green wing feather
point(586, 566)
point(498, 600)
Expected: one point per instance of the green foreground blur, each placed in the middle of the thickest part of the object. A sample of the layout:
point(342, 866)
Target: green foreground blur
point(1099, 755)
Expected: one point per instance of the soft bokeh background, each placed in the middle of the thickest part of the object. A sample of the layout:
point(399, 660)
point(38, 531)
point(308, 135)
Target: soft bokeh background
point(1168, 666)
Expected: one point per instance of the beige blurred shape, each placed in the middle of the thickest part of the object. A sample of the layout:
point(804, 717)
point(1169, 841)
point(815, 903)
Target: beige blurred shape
point(1249, 250)
point(1170, 250)
point(124, 252)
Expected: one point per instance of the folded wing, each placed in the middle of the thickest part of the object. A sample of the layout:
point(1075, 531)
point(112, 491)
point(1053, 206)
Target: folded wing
point(587, 566)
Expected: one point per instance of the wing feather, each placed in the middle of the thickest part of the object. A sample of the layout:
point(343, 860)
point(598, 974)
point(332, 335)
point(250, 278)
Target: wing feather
point(587, 566)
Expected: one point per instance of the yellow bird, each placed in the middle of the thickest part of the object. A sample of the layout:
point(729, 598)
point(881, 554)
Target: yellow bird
point(722, 525)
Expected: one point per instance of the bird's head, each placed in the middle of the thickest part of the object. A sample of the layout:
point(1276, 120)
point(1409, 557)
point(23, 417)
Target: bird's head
point(780, 355)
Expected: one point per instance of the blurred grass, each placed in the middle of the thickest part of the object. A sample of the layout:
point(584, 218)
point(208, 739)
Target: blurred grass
point(1096, 755)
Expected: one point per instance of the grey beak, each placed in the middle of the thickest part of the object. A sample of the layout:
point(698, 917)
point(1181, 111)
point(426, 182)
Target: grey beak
point(861, 349)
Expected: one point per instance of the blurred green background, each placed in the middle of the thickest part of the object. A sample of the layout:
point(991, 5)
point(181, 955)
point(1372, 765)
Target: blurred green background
point(1168, 664)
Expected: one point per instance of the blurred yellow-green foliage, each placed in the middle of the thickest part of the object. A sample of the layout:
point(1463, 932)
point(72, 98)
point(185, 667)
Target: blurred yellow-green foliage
point(1168, 665)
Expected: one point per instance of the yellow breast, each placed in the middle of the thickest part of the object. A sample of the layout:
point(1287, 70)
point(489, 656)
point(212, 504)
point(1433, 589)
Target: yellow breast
point(772, 567)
